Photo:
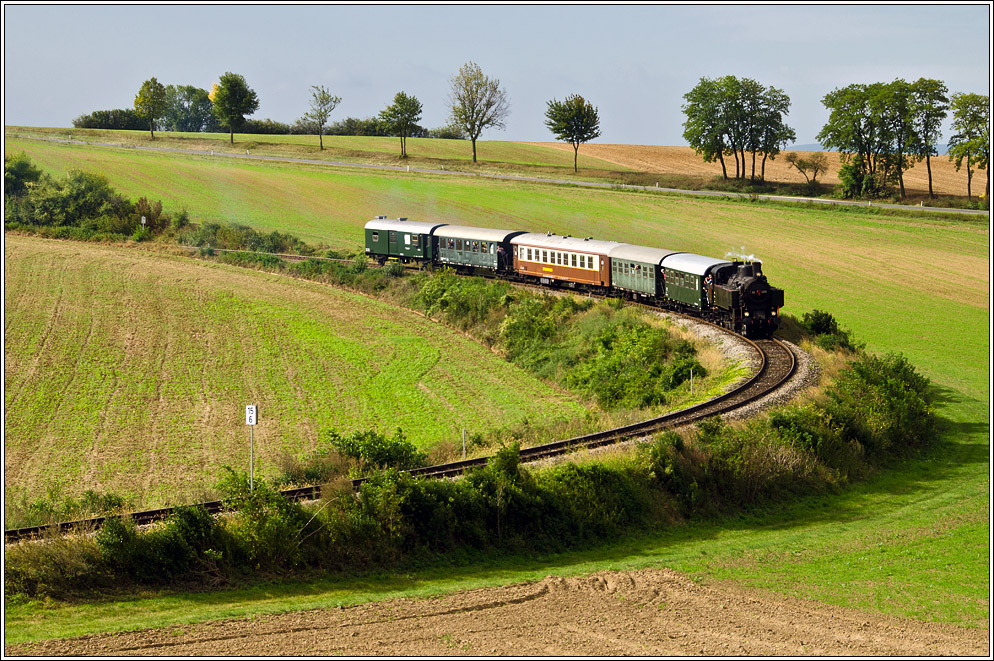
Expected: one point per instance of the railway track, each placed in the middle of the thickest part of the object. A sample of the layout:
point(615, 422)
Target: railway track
point(777, 366)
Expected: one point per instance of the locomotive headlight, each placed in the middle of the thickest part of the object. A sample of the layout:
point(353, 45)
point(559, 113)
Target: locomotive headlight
point(747, 313)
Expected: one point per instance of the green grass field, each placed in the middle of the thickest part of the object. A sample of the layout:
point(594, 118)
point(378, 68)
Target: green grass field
point(127, 371)
point(913, 541)
point(454, 154)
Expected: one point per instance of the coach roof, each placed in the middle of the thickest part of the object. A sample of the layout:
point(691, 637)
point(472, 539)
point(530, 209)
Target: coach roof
point(475, 233)
point(690, 263)
point(401, 225)
point(641, 254)
point(567, 243)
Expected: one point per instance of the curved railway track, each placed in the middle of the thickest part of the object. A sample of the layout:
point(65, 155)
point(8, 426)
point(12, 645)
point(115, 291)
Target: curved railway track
point(777, 366)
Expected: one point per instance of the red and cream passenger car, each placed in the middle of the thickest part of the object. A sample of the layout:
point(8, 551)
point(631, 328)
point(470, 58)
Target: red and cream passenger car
point(553, 257)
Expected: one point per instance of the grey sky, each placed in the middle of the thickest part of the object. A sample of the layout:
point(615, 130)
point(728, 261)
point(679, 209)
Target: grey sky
point(634, 62)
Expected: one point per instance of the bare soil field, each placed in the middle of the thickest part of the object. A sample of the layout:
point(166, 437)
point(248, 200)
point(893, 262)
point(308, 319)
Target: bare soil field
point(684, 161)
point(652, 612)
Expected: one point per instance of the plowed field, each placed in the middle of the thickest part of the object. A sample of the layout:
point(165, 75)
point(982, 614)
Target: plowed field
point(683, 161)
point(640, 613)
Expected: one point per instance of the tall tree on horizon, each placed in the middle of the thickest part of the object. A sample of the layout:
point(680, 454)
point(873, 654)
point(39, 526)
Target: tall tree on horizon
point(402, 116)
point(732, 116)
point(930, 106)
point(897, 108)
point(232, 99)
point(972, 138)
point(189, 109)
point(322, 104)
point(705, 128)
point(574, 121)
point(151, 102)
point(476, 102)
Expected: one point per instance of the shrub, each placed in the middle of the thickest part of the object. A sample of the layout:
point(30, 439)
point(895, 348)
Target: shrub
point(373, 450)
point(125, 119)
point(807, 428)
point(855, 181)
point(181, 220)
point(155, 220)
point(827, 333)
point(18, 173)
point(267, 530)
point(60, 567)
point(884, 404)
point(680, 470)
point(264, 127)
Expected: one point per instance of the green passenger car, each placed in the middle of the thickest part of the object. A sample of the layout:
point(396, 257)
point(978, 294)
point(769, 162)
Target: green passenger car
point(469, 248)
point(686, 278)
point(399, 239)
point(636, 269)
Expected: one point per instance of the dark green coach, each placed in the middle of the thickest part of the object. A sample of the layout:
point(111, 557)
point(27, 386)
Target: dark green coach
point(400, 239)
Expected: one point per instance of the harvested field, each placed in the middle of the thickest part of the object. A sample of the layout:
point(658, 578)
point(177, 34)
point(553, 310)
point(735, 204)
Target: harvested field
point(651, 612)
point(684, 161)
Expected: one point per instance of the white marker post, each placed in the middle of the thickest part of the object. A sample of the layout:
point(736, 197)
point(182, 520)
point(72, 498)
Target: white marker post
point(251, 418)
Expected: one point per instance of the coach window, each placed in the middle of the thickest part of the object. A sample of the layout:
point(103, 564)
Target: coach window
point(545, 256)
point(376, 237)
point(415, 240)
point(483, 247)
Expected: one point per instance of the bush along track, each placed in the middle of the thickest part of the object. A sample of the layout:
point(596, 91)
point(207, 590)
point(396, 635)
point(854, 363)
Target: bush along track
point(396, 519)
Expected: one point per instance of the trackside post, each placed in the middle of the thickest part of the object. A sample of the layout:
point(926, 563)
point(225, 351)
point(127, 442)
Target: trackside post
point(251, 418)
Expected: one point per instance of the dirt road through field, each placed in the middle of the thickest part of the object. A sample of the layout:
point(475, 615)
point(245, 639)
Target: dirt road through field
point(651, 612)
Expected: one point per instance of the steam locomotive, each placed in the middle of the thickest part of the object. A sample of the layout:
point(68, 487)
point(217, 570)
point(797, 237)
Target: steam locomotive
point(733, 294)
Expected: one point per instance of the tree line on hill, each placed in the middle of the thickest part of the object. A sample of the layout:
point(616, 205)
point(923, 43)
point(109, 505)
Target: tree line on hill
point(476, 102)
point(880, 130)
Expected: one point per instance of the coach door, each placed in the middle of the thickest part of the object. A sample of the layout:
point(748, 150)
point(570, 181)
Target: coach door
point(393, 242)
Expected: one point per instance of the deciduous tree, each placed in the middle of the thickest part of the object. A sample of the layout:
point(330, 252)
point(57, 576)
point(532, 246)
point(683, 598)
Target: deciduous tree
point(232, 99)
point(971, 140)
point(151, 102)
point(323, 103)
point(816, 164)
point(705, 128)
point(574, 121)
point(729, 116)
point(402, 116)
point(477, 102)
point(930, 107)
point(189, 109)
point(856, 128)
point(896, 106)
